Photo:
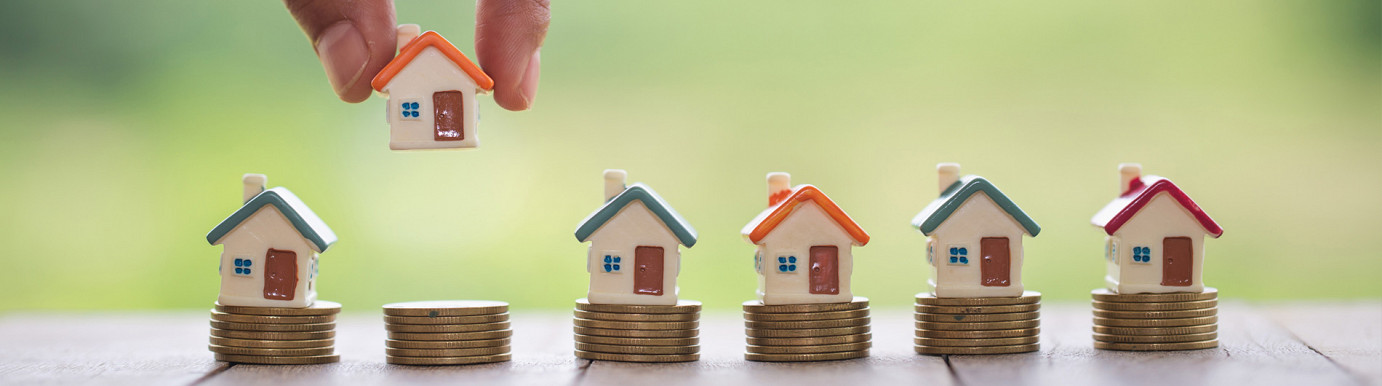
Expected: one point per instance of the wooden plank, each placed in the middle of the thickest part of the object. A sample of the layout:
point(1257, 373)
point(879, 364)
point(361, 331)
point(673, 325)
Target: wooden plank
point(104, 348)
point(1253, 351)
point(1350, 333)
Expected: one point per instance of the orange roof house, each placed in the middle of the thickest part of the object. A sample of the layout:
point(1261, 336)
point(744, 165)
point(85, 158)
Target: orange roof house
point(431, 87)
point(804, 245)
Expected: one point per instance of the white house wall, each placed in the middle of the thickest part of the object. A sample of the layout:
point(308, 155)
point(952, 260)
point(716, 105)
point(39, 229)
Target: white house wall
point(977, 218)
point(1161, 218)
point(632, 227)
point(807, 226)
point(266, 228)
point(429, 72)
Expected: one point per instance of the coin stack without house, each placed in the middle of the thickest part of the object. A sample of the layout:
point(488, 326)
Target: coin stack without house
point(447, 332)
point(275, 336)
point(1156, 322)
point(807, 332)
point(638, 333)
point(974, 326)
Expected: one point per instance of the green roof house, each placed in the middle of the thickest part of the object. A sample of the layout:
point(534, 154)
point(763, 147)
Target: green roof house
point(634, 238)
point(270, 249)
point(974, 237)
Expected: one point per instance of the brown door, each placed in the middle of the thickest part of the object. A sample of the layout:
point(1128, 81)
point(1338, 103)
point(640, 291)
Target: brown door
point(280, 274)
point(647, 274)
point(448, 109)
point(825, 269)
point(1177, 260)
point(995, 268)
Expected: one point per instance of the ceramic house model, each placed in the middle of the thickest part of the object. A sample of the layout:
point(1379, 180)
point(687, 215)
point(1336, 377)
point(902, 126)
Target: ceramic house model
point(1156, 233)
point(633, 257)
point(270, 249)
point(804, 246)
point(431, 87)
point(974, 237)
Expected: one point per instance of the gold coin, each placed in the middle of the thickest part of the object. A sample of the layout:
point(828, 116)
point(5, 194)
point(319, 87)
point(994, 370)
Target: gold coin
point(808, 324)
point(611, 316)
point(1028, 297)
point(1156, 314)
point(829, 356)
point(637, 333)
point(682, 307)
point(812, 341)
point(241, 318)
point(600, 356)
point(976, 309)
point(983, 350)
point(807, 316)
point(640, 350)
point(445, 344)
point(445, 328)
point(1105, 295)
point(980, 342)
point(425, 320)
point(268, 327)
point(1183, 330)
point(435, 308)
point(255, 343)
point(636, 325)
point(320, 307)
point(963, 318)
point(1204, 344)
point(442, 361)
point(816, 349)
point(638, 341)
point(1155, 322)
point(1156, 338)
point(441, 336)
point(263, 335)
point(978, 334)
point(1191, 305)
point(287, 352)
point(805, 332)
point(445, 352)
point(972, 326)
point(279, 360)
point(757, 307)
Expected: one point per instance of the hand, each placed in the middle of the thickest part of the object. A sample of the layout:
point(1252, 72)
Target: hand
point(355, 39)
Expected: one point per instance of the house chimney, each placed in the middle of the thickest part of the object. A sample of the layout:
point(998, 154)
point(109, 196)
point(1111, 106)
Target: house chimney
point(779, 185)
point(614, 183)
point(406, 33)
point(1130, 172)
point(254, 184)
point(948, 172)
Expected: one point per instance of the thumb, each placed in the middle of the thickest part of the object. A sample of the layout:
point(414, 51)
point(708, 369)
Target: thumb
point(508, 36)
point(353, 39)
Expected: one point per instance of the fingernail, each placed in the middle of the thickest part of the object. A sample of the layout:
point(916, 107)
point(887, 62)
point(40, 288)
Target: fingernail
point(528, 85)
point(343, 54)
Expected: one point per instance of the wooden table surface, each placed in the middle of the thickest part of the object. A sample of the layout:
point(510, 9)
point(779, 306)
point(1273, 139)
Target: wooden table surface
point(1316, 343)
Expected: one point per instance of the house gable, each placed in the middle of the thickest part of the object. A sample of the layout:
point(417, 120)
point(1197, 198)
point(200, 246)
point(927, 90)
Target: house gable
point(979, 216)
point(292, 209)
point(670, 219)
point(958, 193)
point(430, 39)
point(770, 218)
point(1117, 213)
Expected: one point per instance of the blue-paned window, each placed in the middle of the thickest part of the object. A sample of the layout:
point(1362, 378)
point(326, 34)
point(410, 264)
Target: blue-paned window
point(786, 264)
point(410, 109)
point(243, 267)
point(1142, 254)
point(612, 263)
point(930, 253)
point(757, 262)
point(959, 255)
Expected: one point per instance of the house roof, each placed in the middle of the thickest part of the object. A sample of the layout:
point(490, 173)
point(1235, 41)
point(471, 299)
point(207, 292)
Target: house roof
point(1140, 192)
point(642, 193)
point(954, 196)
point(293, 209)
point(415, 47)
point(770, 218)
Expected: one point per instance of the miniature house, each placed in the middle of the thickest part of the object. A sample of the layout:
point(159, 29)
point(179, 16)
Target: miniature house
point(1155, 240)
point(431, 87)
point(633, 256)
point(973, 237)
point(804, 246)
point(270, 249)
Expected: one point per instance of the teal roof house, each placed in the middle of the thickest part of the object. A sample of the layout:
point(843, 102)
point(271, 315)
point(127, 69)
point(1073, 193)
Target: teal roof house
point(269, 248)
point(974, 237)
point(635, 239)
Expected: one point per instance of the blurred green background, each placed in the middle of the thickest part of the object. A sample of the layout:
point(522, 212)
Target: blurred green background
point(127, 125)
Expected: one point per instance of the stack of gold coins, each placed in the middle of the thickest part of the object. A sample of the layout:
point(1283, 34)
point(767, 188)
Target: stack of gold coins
point(807, 332)
point(1156, 322)
point(447, 332)
point(638, 333)
point(986, 325)
point(274, 335)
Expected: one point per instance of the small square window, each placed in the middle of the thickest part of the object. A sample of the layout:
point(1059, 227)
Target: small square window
point(410, 110)
point(959, 255)
point(787, 264)
point(243, 266)
point(612, 263)
point(1142, 255)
